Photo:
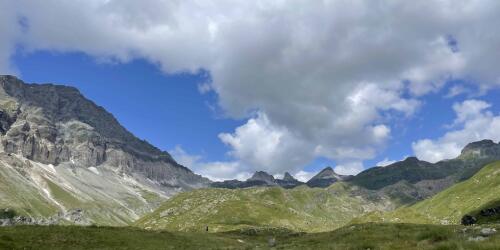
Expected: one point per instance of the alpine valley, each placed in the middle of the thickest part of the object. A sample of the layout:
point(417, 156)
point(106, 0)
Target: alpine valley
point(67, 162)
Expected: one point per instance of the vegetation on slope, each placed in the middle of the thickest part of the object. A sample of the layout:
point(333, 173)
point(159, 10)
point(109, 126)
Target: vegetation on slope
point(299, 209)
point(449, 206)
point(366, 236)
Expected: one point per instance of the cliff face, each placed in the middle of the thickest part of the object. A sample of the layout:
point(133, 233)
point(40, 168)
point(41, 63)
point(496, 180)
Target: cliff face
point(57, 126)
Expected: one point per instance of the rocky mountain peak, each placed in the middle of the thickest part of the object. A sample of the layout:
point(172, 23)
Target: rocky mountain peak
point(483, 148)
point(327, 172)
point(54, 124)
point(288, 177)
point(325, 178)
point(262, 176)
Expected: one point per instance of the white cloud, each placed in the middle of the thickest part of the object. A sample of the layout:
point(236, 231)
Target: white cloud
point(349, 168)
point(304, 176)
point(261, 145)
point(473, 122)
point(456, 90)
point(216, 171)
point(385, 162)
point(321, 79)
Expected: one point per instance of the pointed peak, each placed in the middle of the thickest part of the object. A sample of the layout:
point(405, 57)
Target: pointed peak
point(411, 159)
point(327, 173)
point(288, 177)
point(262, 176)
point(328, 169)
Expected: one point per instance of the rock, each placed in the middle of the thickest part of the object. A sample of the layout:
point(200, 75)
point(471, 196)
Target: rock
point(468, 220)
point(486, 232)
point(490, 212)
point(477, 238)
point(482, 148)
point(271, 242)
point(53, 124)
point(262, 176)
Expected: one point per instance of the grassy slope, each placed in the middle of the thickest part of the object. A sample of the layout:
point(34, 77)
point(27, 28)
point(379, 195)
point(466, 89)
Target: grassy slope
point(448, 206)
point(366, 236)
point(32, 191)
point(299, 209)
point(25, 199)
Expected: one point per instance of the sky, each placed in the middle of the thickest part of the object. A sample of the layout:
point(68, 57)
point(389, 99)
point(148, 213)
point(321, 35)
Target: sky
point(234, 87)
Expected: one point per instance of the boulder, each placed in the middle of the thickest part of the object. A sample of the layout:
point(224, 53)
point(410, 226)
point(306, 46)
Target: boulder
point(468, 220)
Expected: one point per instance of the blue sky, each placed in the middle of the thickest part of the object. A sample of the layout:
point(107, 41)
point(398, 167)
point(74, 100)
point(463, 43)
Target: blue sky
point(233, 89)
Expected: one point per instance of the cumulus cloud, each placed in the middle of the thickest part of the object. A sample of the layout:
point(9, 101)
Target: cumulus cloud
point(321, 81)
point(260, 144)
point(216, 171)
point(304, 176)
point(349, 168)
point(474, 121)
point(385, 162)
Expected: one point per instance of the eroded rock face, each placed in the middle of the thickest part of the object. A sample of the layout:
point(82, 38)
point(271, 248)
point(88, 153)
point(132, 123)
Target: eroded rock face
point(53, 124)
point(483, 148)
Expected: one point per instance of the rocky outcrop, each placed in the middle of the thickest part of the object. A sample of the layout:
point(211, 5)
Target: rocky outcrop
point(74, 216)
point(52, 124)
point(480, 149)
point(261, 176)
point(288, 181)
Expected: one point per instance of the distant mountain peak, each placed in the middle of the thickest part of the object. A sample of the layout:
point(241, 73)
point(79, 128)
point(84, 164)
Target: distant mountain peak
point(327, 172)
point(481, 148)
point(411, 159)
point(288, 177)
point(262, 176)
point(325, 178)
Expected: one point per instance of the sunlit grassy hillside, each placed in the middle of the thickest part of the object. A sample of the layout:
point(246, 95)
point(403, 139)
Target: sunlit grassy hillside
point(299, 209)
point(447, 207)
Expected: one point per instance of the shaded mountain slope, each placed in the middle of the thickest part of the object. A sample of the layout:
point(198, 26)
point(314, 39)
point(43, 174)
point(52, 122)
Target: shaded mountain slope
point(480, 192)
point(413, 180)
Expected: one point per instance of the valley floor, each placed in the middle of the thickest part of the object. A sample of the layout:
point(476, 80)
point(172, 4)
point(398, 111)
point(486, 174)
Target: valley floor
point(362, 236)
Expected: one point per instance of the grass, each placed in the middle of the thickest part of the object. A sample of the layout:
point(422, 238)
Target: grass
point(62, 196)
point(298, 209)
point(361, 236)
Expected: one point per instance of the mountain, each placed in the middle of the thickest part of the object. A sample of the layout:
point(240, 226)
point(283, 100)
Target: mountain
point(478, 196)
point(259, 179)
point(263, 177)
point(288, 181)
point(325, 178)
point(62, 156)
point(412, 180)
point(369, 196)
point(299, 209)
